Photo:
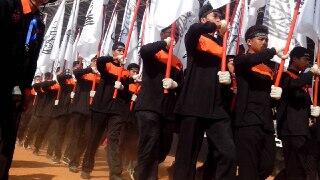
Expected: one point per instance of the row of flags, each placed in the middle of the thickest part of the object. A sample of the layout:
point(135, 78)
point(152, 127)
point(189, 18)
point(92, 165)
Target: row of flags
point(160, 14)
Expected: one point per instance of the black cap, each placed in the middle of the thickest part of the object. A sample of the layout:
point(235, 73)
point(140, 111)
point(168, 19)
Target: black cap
point(255, 31)
point(118, 45)
point(298, 52)
point(133, 66)
point(207, 9)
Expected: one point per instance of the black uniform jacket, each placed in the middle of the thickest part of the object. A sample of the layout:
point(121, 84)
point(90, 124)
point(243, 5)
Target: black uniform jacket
point(201, 92)
point(67, 84)
point(293, 111)
point(81, 100)
point(254, 76)
point(103, 100)
point(151, 95)
point(14, 28)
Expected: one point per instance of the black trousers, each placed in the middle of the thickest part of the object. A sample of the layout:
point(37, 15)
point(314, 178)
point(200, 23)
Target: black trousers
point(31, 130)
point(42, 129)
point(79, 138)
point(155, 140)
point(9, 122)
point(115, 125)
point(256, 150)
point(301, 158)
point(220, 142)
point(58, 136)
point(23, 126)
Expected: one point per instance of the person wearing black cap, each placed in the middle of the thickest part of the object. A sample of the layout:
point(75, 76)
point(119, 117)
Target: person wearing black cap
point(80, 110)
point(15, 18)
point(200, 104)
point(254, 129)
point(108, 112)
point(293, 113)
point(154, 108)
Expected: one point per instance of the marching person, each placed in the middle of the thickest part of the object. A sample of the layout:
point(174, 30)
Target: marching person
point(154, 108)
point(254, 128)
point(108, 113)
point(200, 104)
point(15, 18)
point(293, 113)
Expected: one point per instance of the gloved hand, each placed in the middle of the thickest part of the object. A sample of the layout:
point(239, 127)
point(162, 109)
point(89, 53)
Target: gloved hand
point(169, 83)
point(121, 59)
point(118, 85)
point(223, 27)
point(72, 95)
point(276, 92)
point(134, 97)
point(92, 93)
point(168, 40)
point(137, 78)
point(224, 77)
point(315, 69)
point(315, 111)
point(280, 54)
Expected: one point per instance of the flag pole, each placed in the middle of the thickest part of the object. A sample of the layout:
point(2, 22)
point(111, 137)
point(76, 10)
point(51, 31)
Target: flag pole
point(240, 26)
point(136, 10)
point(94, 82)
point(225, 40)
point(316, 81)
point(169, 62)
point(286, 49)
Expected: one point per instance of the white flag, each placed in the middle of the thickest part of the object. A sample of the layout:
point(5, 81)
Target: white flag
point(183, 24)
point(306, 20)
point(72, 32)
point(91, 32)
point(50, 47)
point(167, 11)
point(68, 38)
point(234, 32)
point(151, 33)
point(107, 43)
point(218, 3)
point(132, 55)
point(278, 20)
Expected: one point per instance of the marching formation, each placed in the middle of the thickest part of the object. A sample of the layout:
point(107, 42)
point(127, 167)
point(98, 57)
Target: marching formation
point(237, 105)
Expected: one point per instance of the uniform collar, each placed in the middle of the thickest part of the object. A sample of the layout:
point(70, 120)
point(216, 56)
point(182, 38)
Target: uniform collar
point(26, 6)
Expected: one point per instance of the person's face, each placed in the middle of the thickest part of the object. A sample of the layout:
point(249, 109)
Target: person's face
point(133, 71)
point(37, 79)
point(258, 44)
point(301, 63)
point(167, 33)
point(117, 52)
point(212, 17)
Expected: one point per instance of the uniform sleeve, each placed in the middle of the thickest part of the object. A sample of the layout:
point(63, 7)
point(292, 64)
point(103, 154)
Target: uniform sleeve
point(80, 72)
point(148, 51)
point(194, 33)
point(249, 60)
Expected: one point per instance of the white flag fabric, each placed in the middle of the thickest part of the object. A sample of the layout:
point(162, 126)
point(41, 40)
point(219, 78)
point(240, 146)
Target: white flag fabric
point(107, 43)
point(167, 11)
point(151, 33)
point(218, 3)
point(234, 31)
point(132, 55)
point(183, 24)
point(278, 19)
point(306, 20)
point(91, 32)
point(50, 47)
point(72, 32)
point(68, 38)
